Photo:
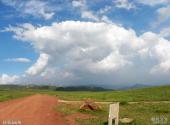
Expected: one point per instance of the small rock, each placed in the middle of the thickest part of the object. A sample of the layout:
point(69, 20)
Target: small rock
point(126, 120)
point(89, 104)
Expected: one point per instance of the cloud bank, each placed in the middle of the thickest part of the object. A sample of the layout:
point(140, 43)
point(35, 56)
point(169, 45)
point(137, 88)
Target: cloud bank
point(74, 52)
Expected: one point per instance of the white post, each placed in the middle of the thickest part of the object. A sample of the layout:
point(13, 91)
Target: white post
point(113, 113)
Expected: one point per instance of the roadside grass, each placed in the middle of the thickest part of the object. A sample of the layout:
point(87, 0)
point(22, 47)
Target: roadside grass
point(66, 109)
point(141, 113)
point(97, 117)
point(13, 94)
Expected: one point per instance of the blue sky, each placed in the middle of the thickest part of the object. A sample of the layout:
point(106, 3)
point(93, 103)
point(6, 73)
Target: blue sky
point(58, 42)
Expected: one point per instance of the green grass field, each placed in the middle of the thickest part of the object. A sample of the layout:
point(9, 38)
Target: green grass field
point(145, 94)
point(142, 113)
point(12, 94)
point(161, 93)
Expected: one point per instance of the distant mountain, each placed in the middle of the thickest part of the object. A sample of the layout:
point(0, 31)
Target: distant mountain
point(30, 86)
point(41, 87)
point(81, 88)
point(73, 88)
point(135, 86)
point(10, 87)
point(139, 86)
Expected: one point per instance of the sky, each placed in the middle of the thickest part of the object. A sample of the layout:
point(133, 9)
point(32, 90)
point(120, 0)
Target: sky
point(85, 42)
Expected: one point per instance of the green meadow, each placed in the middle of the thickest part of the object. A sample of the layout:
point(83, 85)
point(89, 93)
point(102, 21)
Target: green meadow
point(146, 94)
point(142, 113)
point(160, 93)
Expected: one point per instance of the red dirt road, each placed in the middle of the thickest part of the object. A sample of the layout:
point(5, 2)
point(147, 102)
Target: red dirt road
point(32, 110)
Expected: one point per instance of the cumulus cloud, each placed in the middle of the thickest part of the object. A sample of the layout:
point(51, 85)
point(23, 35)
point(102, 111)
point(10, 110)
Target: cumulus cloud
point(160, 52)
point(22, 60)
point(39, 66)
point(35, 8)
point(6, 79)
point(125, 4)
point(88, 52)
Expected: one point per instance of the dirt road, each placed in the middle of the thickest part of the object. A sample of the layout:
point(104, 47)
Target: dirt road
point(32, 110)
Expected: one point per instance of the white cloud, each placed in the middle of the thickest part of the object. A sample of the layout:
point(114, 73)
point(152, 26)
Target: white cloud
point(104, 10)
point(83, 52)
point(23, 60)
point(125, 4)
point(35, 8)
point(153, 2)
point(39, 66)
point(86, 13)
point(113, 61)
point(105, 19)
point(78, 3)
point(89, 15)
point(159, 49)
point(84, 10)
point(165, 32)
point(163, 14)
point(6, 79)
point(163, 54)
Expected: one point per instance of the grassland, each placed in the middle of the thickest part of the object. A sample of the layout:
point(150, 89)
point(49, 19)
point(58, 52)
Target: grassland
point(161, 93)
point(13, 94)
point(142, 113)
